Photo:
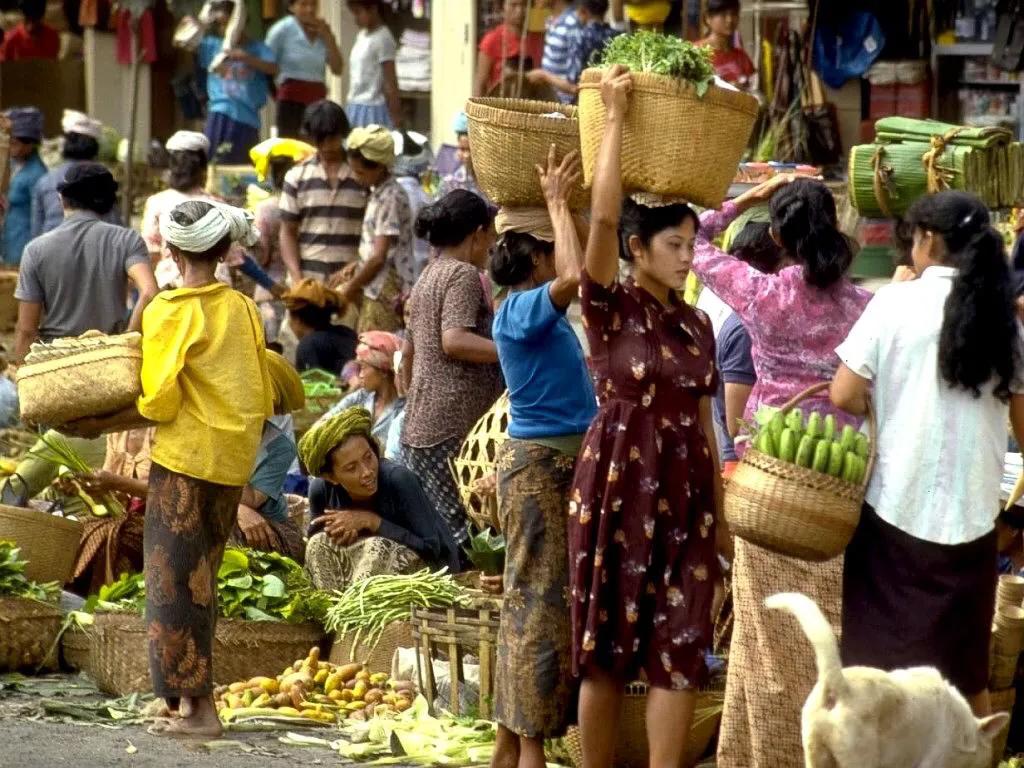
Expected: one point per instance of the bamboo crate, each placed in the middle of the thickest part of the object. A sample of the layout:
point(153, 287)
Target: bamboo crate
point(476, 465)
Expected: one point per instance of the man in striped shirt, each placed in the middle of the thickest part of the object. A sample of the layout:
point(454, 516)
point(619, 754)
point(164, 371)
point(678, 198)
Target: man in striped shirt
point(560, 41)
point(322, 204)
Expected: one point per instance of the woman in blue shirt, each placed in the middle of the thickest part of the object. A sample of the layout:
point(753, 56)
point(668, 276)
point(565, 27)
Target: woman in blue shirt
point(26, 170)
point(538, 259)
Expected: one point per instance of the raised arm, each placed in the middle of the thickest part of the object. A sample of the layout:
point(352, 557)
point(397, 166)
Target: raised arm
point(558, 182)
point(602, 260)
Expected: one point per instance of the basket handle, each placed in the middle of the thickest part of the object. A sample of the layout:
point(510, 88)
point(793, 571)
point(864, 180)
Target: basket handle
point(871, 420)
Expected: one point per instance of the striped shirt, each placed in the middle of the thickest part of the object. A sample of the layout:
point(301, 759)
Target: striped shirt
point(330, 218)
point(559, 42)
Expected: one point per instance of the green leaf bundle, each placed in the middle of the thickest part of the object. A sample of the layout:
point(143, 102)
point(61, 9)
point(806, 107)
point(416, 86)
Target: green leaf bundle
point(14, 583)
point(267, 586)
point(660, 54)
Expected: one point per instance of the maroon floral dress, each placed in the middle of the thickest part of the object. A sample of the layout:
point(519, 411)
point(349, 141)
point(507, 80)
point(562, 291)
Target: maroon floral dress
point(642, 554)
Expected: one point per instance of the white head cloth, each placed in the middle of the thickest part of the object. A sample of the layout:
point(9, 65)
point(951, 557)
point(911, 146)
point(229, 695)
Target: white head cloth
point(74, 121)
point(188, 141)
point(219, 222)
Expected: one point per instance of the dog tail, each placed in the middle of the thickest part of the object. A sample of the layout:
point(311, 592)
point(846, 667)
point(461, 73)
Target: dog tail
point(820, 635)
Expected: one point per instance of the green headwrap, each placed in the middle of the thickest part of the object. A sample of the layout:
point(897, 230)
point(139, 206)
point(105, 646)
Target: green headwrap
point(327, 435)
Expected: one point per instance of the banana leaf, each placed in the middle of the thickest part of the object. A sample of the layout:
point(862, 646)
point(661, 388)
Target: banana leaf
point(901, 129)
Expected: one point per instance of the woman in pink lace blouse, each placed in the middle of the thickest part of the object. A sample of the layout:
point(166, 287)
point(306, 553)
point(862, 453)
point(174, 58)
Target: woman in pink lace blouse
point(796, 318)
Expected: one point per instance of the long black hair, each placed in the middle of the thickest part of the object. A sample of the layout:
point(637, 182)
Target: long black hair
point(979, 337)
point(186, 169)
point(647, 221)
point(453, 218)
point(805, 221)
point(512, 260)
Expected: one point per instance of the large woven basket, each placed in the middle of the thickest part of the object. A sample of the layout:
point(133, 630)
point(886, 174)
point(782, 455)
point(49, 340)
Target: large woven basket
point(120, 654)
point(476, 465)
point(76, 649)
point(379, 656)
point(510, 138)
point(28, 634)
point(792, 510)
point(71, 379)
point(675, 143)
point(631, 749)
point(47, 542)
point(245, 649)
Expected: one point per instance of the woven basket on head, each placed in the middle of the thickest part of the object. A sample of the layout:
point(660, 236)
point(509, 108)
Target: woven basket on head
point(76, 649)
point(510, 138)
point(378, 657)
point(791, 510)
point(47, 543)
point(71, 379)
point(245, 649)
point(120, 654)
point(476, 465)
point(674, 143)
point(28, 634)
point(631, 748)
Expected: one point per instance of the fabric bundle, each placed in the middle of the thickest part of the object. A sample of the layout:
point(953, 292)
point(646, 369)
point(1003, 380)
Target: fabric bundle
point(412, 62)
point(911, 158)
point(324, 436)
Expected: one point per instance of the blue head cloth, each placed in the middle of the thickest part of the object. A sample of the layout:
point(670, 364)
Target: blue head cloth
point(26, 123)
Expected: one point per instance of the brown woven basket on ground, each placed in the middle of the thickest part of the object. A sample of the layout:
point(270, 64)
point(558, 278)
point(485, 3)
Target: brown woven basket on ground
point(476, 465)
point(510, 138)
point(76, 649)
point(377, 658)
point(675, 143)
point(120, 654)
point(28, 634)
point(245, 649)
point(631, 750)
point(8, 304)
point(48, 543)
point(74, 378)
point(792, 510)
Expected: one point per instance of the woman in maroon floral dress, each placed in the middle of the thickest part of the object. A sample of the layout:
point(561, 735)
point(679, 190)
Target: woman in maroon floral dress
point(643, 507)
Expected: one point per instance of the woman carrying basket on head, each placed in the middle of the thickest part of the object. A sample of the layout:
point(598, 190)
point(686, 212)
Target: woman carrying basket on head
point(643, 509)
point(796, 317)
point(942, 353)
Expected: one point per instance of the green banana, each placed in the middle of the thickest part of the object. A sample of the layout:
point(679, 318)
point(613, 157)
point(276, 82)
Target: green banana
point(805, 451)
point(787, 445)
point(815, 426)
point(849, 438)
point(765, 443)
point(795, 420)
point(853, 468)
point(835, 459)
point(821, 455)
point(861, 445)
point(764, 415)
point(776, 425)
point(830, 428)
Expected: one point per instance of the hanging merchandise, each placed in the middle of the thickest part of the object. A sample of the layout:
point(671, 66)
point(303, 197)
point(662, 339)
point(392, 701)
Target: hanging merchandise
point(1008, 47)
point(847, 49)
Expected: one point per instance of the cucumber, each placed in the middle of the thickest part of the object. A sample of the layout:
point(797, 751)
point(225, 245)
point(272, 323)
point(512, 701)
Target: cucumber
point(815, 425)
point(765, 443)
point(861, 445)
point(788, 445)
point(849, 438)
point(821, 456)
point(829, 432)
point(835, 459)
point(805, 452)
point(852, 467)
point(795, 420)
point(776, 425)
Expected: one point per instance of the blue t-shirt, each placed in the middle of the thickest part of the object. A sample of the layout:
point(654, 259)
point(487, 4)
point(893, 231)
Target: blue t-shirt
point(544, 367)
point(275, 457)
point(736, 366)
point(296, 57)
point(241, 91)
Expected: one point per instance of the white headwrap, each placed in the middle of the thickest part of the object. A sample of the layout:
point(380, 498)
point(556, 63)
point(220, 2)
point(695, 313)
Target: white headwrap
point(188, 141)
point(74, 121)
point(219, 222)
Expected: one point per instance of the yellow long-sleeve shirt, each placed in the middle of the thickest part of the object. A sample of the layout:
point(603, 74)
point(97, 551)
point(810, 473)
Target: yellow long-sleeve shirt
point(205, 382)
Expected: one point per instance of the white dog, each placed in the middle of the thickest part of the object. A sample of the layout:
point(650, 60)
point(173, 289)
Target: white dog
point(861, 717)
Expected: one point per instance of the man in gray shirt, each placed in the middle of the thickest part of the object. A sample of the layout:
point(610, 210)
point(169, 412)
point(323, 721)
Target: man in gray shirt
point(76, 278)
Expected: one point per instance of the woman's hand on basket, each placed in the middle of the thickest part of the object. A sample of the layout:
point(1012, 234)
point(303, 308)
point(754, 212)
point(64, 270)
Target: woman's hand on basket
point(346, 526)
point(616, 83)
point(764, 191)
point(559, 180)
point(492, 585)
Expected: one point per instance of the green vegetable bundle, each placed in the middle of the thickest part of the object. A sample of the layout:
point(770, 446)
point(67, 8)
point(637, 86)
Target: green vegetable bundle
point(890, 130)
point(14, 583)
point(662, 55)
point(369, 606)
point(126, 595)
point(266, 586)
point(487, 552)
point(59, 452)
point(318, 383)
point(816, 444)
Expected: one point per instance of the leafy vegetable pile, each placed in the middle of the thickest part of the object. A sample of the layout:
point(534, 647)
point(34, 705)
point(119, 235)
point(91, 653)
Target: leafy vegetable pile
point(487, 552)
point(319, 383)
point(662, 55)
point(14, 583)
point(266, 586)
point(126, 595)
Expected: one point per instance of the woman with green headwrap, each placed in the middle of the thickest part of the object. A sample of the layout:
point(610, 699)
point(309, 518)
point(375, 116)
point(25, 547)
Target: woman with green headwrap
point(369, 515)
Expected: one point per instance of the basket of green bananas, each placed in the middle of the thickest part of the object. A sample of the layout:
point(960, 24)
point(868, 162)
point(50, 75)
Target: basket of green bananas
point(799, 489)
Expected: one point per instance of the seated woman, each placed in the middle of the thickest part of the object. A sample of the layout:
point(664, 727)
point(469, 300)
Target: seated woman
point(311, 309)
point(378, 389)
point(370, 516)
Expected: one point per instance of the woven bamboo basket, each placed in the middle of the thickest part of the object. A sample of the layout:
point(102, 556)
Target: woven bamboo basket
point(378, 657)
point(450, 635)
point(245, 649)
point(631, 750)
point(1003, 671)
point(120, 654)
point(74, 378)
point(795, 511)
point(476, 465)
point(48, 543)
point(674, 143)
point(1003, 701)
point(28, 634)
point(510, 138)
point(76, 650)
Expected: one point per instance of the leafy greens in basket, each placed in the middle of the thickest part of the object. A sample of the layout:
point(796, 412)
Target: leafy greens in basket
point(14, 583)
point(662, 55)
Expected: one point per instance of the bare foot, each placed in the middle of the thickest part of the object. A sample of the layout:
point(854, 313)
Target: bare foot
point(198, 717)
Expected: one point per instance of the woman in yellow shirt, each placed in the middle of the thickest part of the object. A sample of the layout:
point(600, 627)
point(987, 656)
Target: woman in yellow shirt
point(206, 387)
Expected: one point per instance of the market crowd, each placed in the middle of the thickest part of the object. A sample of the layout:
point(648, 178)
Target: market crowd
point(610, 484)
